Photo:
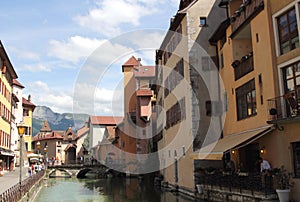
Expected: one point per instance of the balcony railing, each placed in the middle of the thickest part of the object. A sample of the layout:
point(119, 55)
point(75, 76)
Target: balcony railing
point(285, 106)
point(247, 11)
point(243, 66)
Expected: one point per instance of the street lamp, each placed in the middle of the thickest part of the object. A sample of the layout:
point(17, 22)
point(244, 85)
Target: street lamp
point(38, 146)
point(46, 160)
point(21, 131)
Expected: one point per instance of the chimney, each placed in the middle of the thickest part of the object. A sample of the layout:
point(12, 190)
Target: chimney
point(29, 97)
point(139, 60)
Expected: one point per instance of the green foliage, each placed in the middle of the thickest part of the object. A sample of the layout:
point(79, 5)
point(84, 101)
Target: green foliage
point(86, 141)
point(282, 178)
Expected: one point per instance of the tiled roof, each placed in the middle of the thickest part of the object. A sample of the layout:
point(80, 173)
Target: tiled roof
point(17, 83)
point(27, 103)
point(82, 131)
point(144, 92)
point(145, 71)
point(132, 62)
point(8, 66)
point(48, 135)
point(105, 120)
point(45, 127)
point(111, 132)
point(70, 134)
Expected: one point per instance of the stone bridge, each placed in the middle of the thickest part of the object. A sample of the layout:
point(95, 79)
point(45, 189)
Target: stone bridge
point(77, 170)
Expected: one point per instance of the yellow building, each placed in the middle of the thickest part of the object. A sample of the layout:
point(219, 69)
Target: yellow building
point(258, 52)
point(7, 75)
point(28, 108)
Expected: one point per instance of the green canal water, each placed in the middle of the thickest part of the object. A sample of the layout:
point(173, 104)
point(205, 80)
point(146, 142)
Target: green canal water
point(104, 190)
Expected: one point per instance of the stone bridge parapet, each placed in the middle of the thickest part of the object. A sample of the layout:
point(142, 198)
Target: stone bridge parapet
point(78, 171)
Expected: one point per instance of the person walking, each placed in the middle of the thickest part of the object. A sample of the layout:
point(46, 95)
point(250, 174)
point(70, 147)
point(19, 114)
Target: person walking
point(265, 168)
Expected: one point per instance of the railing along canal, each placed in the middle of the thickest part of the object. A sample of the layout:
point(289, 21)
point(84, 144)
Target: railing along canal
point(16, 192)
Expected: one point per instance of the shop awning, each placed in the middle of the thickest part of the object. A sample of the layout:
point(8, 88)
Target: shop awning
point(215, 151)
point(6, 152)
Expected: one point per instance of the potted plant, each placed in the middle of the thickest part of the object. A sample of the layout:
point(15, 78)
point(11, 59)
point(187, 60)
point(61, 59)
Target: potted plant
point(282, 183)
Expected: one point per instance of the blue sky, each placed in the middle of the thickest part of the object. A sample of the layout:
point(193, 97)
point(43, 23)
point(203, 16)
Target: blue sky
point(68, 53)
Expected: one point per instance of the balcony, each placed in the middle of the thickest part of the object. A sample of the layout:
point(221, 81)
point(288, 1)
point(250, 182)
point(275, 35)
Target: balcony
point(286, 106)
point(247, 11)
point(243, 66)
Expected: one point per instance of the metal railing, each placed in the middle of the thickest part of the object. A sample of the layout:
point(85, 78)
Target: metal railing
point(16, 192)
point(285, 106)
point(243, 181)
point(248, 10)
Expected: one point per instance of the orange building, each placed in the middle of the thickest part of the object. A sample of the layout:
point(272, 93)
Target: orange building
point(258, 60)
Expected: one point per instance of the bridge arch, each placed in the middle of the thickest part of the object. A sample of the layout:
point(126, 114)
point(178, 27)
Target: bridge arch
point(52, 173)
point(83, 172)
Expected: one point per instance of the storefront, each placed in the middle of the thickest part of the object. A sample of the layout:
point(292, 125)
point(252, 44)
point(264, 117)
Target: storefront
point(6, 160)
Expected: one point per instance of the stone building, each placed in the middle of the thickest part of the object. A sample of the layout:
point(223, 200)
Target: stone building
point(60, 147)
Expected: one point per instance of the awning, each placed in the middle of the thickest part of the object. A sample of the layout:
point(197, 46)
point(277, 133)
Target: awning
point(32, 155)
point(6, 152)
point(214, 151)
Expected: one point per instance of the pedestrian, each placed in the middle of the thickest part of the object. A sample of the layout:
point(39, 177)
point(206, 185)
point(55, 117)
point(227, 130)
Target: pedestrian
point(230, 166)
point(29, 171)
point(265, 168)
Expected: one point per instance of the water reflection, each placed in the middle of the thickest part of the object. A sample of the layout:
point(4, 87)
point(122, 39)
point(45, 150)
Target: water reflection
point(104, 190)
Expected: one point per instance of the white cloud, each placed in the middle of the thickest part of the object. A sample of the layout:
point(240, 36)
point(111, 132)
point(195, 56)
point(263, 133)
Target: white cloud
point(97, 100)
point(39, 86)
point(36, 67)
point(107, 17)
point(76, 48)
point(24, 54)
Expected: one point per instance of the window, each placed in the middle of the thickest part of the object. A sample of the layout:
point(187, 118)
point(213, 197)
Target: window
point(291, 77)
point(246, 100)
point(25, 112)
point(296, 158)
point(288, 31)
point(222, 60)
point(203, 21)
point(175, 114)
point(183, 151)
point(208, 108)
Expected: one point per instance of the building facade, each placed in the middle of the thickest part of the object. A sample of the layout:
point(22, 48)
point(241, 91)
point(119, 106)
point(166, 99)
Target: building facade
point(6, 83)
point(98, 134)
point(183, 96)
point(28, 108)
point(60, 147)
point(258, 54)
point(135, 132)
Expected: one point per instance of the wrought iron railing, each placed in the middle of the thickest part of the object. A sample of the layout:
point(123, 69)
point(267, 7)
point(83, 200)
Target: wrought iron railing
point(243, 66)
point(285, 106)
point(16, 192)
point(247, 11)
point(243, 181)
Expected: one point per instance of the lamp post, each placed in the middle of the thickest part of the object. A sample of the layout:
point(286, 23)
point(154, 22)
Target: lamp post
point(38, 146)
point(21, 131)
point(46, 160)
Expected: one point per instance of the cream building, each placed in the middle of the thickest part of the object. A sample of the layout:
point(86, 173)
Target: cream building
point(182, 97)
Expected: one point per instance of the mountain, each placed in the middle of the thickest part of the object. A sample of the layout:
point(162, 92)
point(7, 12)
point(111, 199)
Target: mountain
point(57, 121)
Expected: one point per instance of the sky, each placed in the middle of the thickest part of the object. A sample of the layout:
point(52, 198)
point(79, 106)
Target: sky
point(68, 53)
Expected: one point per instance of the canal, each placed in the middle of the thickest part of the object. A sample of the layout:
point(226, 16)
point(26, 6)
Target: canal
point(104, 190)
